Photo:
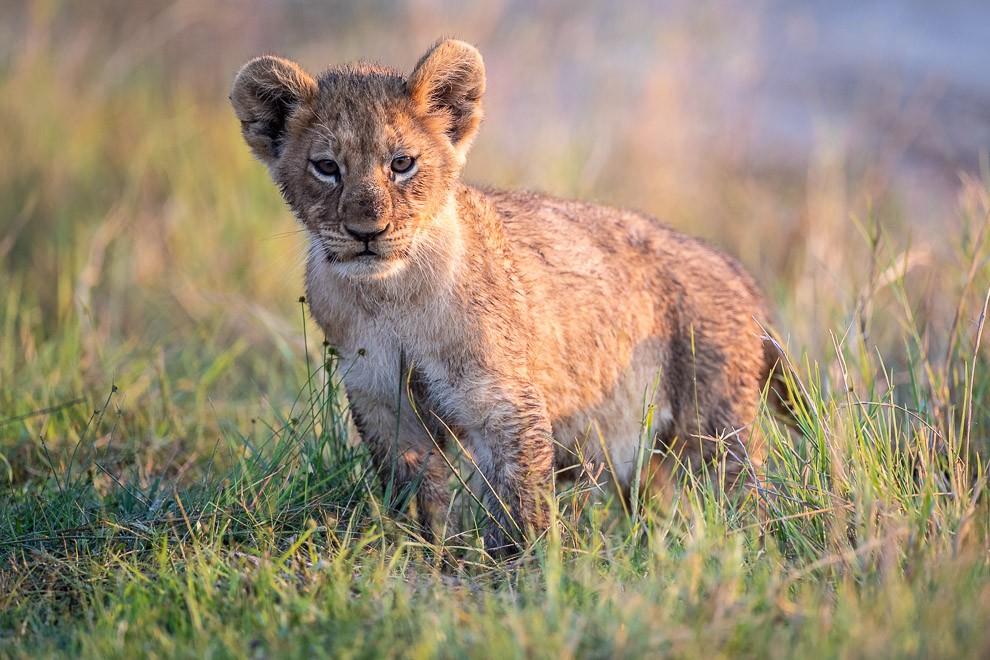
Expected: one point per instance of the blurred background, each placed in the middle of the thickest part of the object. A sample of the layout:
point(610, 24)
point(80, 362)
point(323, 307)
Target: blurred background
point(839, 149)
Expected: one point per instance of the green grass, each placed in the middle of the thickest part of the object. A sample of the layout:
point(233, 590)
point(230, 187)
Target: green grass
point(177, 472)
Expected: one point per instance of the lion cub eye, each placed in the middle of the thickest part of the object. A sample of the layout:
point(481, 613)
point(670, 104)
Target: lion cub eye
point(402, 164)
point(326, 168)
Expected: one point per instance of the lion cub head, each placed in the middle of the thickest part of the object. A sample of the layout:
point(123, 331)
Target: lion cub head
point(365, 157)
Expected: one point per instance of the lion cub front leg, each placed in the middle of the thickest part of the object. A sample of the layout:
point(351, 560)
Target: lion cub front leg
point(515, 455)
point(406, 455)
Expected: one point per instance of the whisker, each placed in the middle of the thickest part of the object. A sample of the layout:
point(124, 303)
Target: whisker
point(283, 234)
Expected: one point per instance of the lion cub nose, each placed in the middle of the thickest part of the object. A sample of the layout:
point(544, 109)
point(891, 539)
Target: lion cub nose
point(366, 236)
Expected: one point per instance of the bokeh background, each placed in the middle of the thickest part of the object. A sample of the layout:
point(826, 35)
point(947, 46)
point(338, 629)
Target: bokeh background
point(839, 149)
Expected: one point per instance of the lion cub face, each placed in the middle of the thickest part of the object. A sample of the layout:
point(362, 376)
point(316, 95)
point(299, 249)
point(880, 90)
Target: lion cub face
point(365, 158)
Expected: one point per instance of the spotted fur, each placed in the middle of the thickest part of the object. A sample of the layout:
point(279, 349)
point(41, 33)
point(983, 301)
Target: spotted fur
point(529, 329)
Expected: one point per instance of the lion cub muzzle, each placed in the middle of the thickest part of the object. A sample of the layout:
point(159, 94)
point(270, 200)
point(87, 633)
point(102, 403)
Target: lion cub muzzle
point(366, 212)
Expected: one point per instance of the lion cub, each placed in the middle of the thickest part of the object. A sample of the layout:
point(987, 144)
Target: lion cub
point(530, 330)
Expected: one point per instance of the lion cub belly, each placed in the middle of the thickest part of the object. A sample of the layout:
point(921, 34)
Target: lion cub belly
point(617, 428)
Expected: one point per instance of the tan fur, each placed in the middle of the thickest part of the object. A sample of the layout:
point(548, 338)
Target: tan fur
point(532, 329)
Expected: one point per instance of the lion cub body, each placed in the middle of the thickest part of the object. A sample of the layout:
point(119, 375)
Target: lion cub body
point(534, 331)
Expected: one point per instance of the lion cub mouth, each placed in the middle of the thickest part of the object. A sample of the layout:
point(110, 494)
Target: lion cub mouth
point(367, 254)
point(369, 263)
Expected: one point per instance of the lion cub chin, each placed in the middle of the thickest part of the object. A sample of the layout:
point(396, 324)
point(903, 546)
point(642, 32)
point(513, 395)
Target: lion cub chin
point(533, 332)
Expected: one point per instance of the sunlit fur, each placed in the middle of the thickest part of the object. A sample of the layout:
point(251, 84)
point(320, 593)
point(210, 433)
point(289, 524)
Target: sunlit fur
point(534, 331)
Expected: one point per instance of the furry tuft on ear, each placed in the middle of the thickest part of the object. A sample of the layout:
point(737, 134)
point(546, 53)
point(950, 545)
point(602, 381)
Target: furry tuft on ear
point(266, 91)
point(449, 81)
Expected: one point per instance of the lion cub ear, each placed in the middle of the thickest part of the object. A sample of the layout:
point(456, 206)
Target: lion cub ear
point(266, 91)
point(449, 81)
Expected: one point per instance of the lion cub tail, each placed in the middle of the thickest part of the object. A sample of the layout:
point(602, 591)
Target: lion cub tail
point(786, 395)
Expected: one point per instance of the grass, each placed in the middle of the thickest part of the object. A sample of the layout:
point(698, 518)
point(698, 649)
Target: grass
point(177, 473)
